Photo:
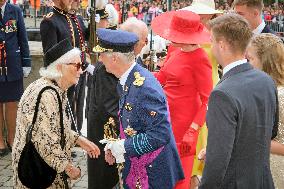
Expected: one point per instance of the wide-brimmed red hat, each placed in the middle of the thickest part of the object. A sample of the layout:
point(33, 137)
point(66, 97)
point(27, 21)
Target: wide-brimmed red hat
point(181, 27)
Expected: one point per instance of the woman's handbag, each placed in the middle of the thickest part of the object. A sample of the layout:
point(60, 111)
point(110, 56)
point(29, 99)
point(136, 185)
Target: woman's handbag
point(33, 171)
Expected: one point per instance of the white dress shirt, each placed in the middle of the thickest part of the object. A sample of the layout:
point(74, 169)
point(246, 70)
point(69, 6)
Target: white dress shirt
point(123, 78)
point(3, 9)
point(234, 64)
point(259, 28)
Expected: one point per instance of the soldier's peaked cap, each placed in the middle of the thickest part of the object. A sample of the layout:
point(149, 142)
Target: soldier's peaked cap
point(115, 41)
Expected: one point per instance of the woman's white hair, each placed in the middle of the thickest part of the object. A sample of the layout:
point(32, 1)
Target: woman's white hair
point(51, 71)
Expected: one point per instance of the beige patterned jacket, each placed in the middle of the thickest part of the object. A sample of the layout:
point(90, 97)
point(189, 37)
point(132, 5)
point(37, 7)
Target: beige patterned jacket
point(46, 133)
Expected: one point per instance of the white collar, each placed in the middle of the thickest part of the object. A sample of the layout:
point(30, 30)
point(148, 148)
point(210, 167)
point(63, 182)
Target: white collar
point(3, 9)
point(123, 78)
point(259, 28)
point(233, 64)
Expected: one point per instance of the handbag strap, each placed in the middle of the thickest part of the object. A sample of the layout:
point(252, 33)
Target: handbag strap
point(29, 133)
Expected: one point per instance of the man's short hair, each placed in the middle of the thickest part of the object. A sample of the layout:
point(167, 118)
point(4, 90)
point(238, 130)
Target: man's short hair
point(234, 29)
point(258, 4)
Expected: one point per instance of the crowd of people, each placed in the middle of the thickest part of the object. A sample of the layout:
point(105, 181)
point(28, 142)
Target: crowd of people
point(210, 117)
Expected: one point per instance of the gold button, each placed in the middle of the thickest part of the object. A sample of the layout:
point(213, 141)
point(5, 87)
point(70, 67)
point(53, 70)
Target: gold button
point(153, 113)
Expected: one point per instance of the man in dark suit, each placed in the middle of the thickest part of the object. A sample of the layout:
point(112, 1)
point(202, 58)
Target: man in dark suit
point(241, 114)
point(251, 10)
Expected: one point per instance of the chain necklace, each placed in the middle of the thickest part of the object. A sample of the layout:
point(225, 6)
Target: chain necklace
point(69, 24)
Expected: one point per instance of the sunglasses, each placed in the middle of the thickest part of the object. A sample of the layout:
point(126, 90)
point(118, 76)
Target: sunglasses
point(78, 65)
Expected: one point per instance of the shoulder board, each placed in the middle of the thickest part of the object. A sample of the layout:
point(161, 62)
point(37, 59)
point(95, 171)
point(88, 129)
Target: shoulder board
point(49, 15)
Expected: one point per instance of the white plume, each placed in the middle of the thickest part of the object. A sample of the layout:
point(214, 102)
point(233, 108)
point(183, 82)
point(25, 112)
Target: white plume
point(100, 4)
point(113, 14)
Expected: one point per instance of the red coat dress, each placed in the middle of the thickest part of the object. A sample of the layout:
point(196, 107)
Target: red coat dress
point(186, 78)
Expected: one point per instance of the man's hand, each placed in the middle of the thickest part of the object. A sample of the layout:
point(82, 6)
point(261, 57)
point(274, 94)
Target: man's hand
point(27, 71)
point(92, 149)
point(116, 147)
point(109, 157)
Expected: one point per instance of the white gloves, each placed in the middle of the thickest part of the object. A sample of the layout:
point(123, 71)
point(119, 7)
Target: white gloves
point(116, 147)
point(27, 71)
point(90, 68)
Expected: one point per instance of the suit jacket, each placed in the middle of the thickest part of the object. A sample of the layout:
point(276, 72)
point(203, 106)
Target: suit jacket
point(143, 112)
point(13, 34)
point(241, 114)
point(103, 105)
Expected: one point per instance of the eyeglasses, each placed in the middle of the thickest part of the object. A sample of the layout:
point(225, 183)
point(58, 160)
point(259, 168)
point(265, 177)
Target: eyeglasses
point(78, 65)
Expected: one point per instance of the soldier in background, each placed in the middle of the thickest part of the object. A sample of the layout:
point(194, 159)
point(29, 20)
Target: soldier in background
point(15, 63)
point(55, 27)
point(81, 35)
point(102, 116)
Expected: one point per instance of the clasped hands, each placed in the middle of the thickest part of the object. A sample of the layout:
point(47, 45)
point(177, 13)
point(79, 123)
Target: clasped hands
point(114, 150)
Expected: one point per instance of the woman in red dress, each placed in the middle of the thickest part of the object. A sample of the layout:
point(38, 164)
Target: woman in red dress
point(186, 77)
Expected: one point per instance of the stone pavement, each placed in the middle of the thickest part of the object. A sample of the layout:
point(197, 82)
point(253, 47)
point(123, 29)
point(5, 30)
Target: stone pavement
point(6, 173)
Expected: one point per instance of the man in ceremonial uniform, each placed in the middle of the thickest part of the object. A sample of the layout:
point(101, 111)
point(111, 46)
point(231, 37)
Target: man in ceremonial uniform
point(146, 147)
point(15, 63)
point(102, 118)
point(81, 36)
point(57, 26)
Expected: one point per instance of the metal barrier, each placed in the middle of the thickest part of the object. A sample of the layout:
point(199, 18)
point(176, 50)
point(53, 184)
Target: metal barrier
point(28, 11)
point(277, 26)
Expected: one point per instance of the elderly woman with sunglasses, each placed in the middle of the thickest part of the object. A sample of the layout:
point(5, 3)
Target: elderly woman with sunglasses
point(62, 70)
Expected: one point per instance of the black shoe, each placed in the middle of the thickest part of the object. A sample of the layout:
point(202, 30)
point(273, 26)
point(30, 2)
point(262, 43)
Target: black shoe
point(3, 152)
